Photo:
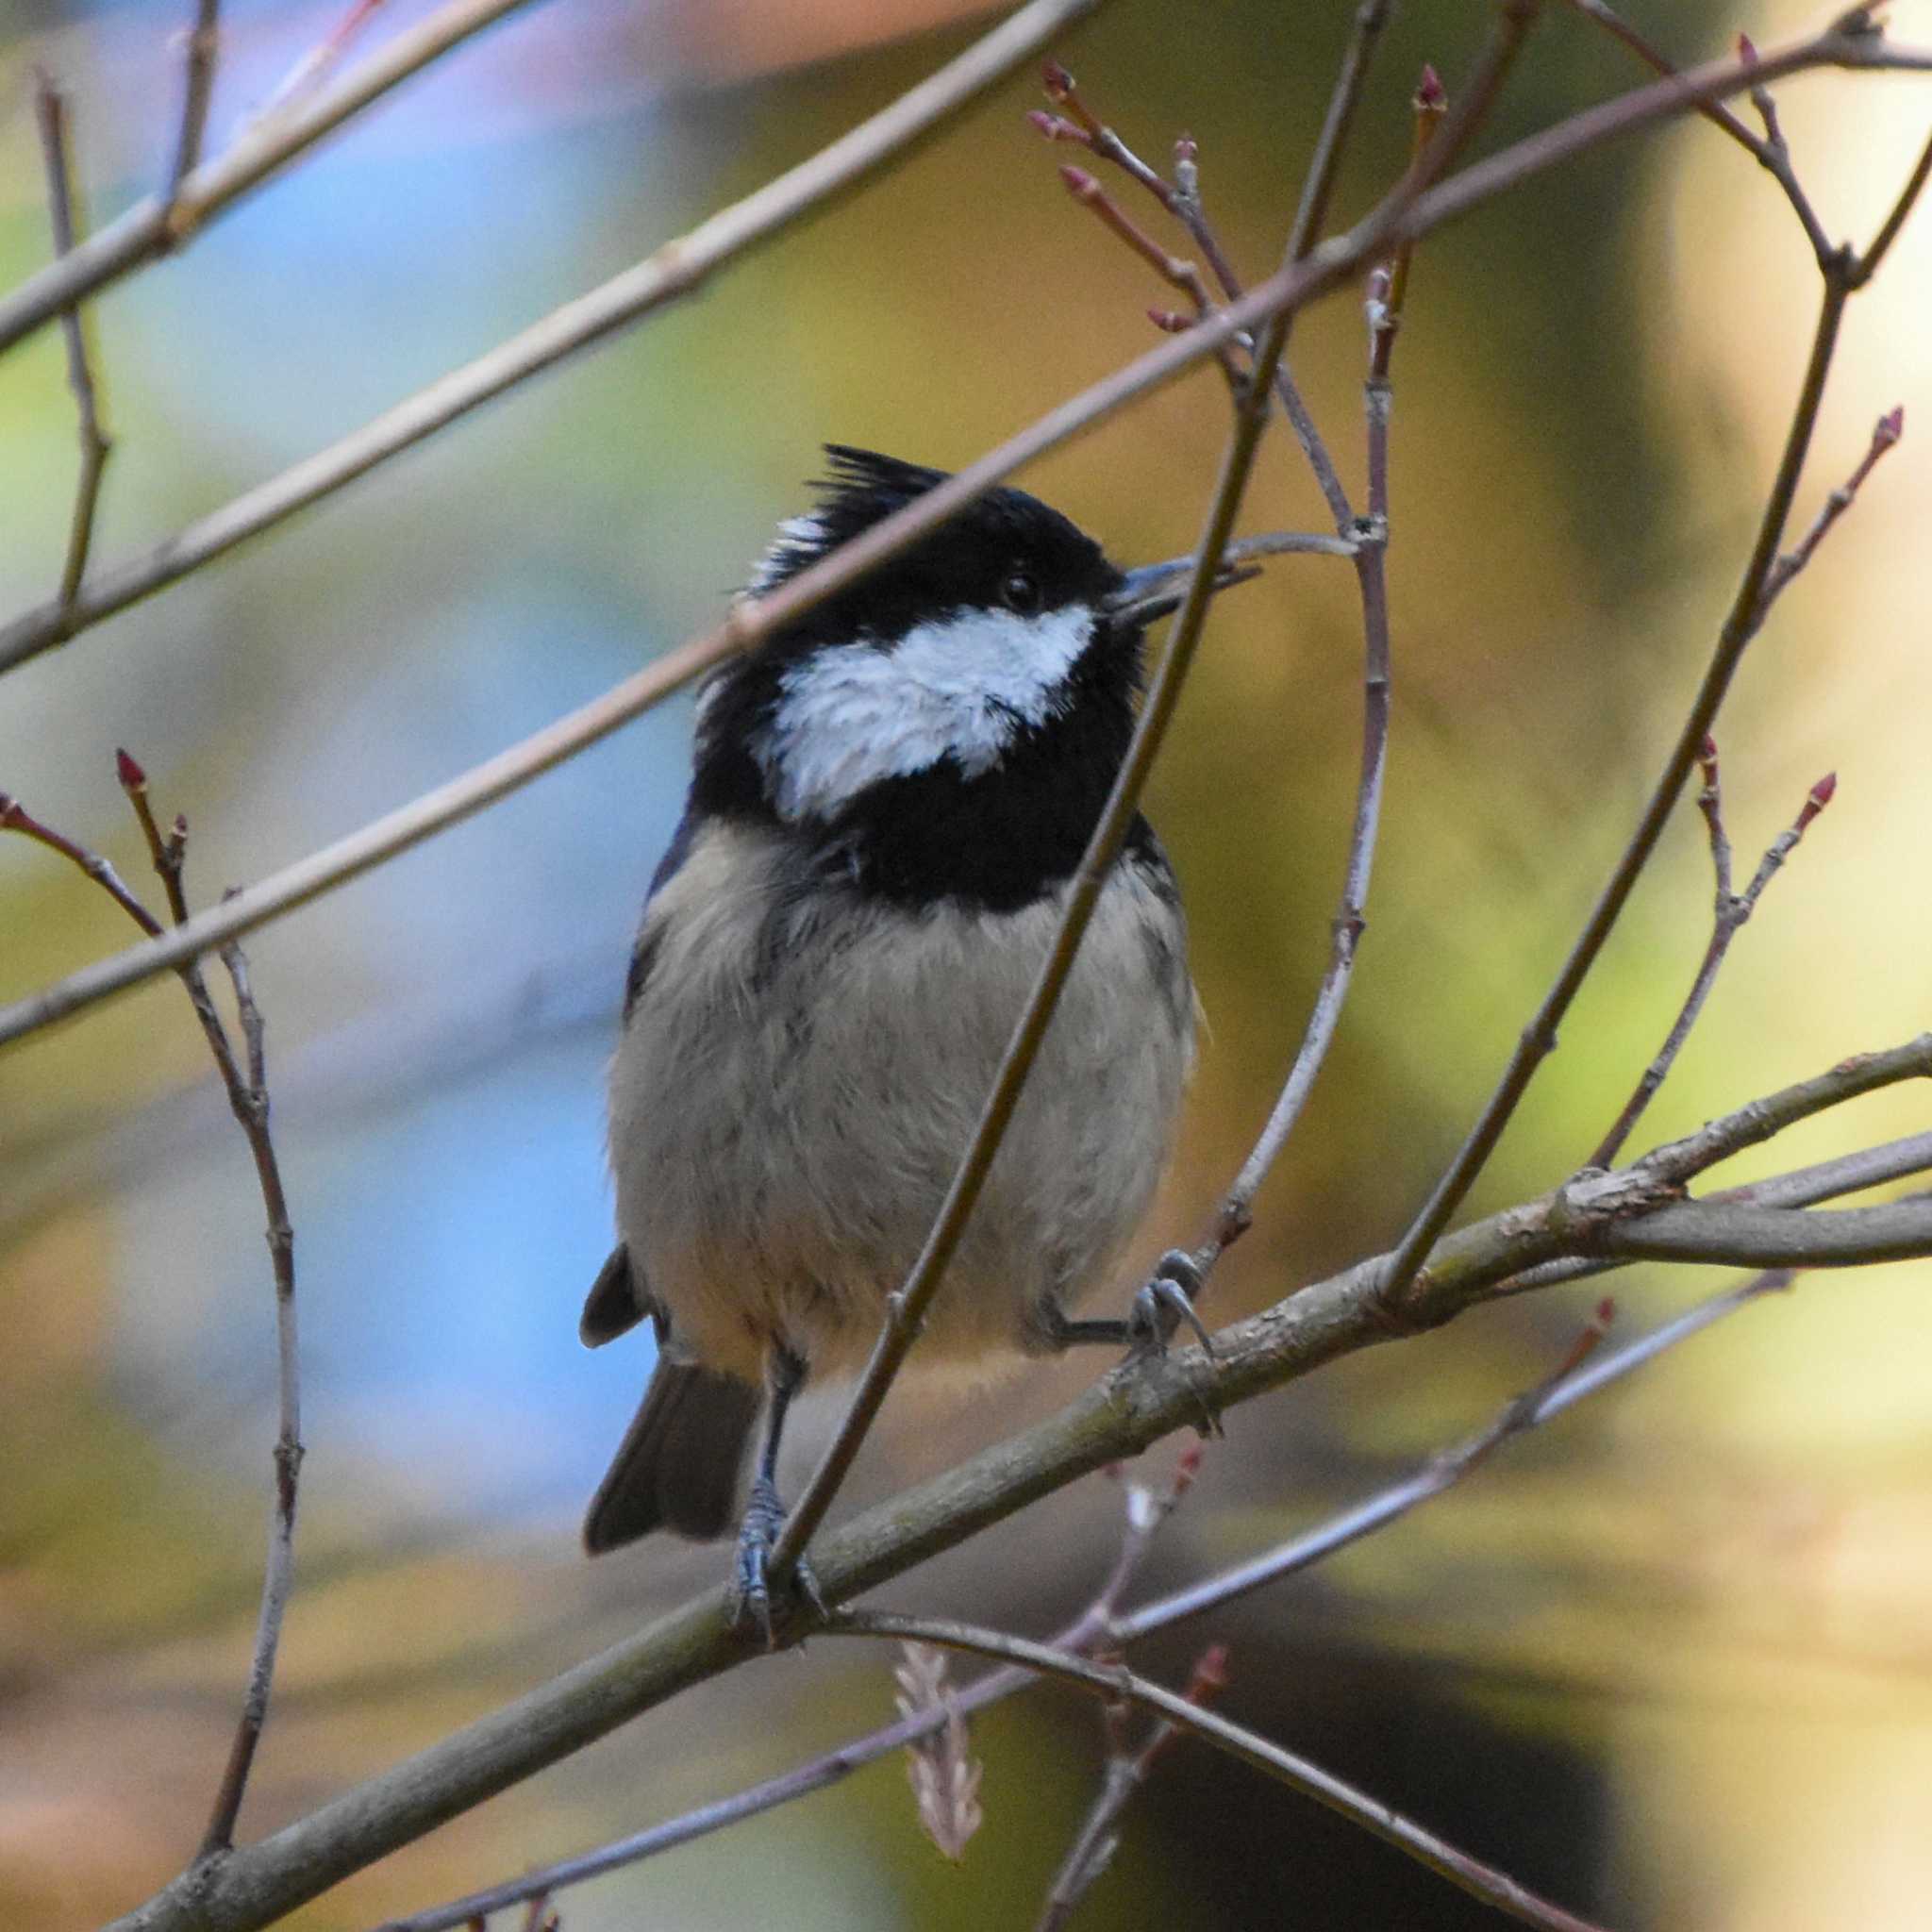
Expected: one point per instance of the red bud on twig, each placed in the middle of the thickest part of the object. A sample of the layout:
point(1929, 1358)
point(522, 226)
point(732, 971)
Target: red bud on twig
point(1171, 321)
point(1080, 184)
point(1430, 94)
point(1747, 50)
point(1820, 795)
point(130, 774)
point(1209, 1675)
point(1891, 425)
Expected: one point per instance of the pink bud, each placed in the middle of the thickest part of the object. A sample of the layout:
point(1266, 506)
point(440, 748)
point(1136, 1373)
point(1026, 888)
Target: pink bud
point(1079, 181)
point(1747, 50)
point(1429, 91)
point(1891, 425)
point(1056, 79)
point(132, 777)
point(1821, 794)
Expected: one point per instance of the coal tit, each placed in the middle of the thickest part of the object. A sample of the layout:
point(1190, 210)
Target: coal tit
point(888, 801)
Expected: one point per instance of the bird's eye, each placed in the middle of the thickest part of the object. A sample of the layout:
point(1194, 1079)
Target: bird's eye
point(1020, 593)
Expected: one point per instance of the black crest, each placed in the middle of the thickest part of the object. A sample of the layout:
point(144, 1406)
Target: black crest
point(995, 839)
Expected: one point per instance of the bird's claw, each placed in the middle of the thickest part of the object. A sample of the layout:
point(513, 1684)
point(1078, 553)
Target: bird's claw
point(1163, 1303)
point(753, 1597)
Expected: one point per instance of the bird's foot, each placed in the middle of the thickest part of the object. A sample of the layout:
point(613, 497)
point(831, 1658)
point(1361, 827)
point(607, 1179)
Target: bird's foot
point(760, 1603)
point(1163, 1303)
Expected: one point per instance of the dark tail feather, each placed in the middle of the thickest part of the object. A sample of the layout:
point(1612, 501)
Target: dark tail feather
point(678, 1465)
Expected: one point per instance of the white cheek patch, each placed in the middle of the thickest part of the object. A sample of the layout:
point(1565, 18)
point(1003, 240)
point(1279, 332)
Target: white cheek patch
point(798, 537)
point(961, 688)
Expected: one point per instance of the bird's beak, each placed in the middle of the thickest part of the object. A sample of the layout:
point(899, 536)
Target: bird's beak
point(1156, 589)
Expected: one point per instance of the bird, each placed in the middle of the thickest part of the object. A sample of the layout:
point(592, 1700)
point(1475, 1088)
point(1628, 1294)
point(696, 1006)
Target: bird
point(889, 798)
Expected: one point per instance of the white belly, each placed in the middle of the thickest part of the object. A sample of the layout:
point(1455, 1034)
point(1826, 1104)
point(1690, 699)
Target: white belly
point(793, 1092)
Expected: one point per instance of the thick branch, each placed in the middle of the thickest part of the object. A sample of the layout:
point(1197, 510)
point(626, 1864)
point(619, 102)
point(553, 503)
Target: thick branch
point(1121, 1415)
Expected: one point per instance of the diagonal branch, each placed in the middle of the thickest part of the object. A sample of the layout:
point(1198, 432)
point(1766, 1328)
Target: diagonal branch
point(1122, 1414)
point(246, 1086)
point(1539, 1038)
point(1731, 913)
point(672, 271)
point(50, 107)
point(1325, 269)
point(907, 1310)
point(152, 227)
point(1460, 1868)
point(197, 91)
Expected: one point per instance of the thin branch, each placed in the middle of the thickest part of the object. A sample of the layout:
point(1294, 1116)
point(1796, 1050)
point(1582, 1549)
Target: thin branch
point(905, 1312)
point(1182, 199)
point(1885, 433)
point(1539, 1038)
point(152, 227)
point(1318, 185)
point(1770, 151)
point(1177, 272)
point(1145, 1512)
point(1325, 269)
point(250, 1106)
point(247, 1093)
point(674, 270)
point(198, 90)
point(1881, 244)
point(51, 109)
point(1124, 1413)
point(1587, 1370)
point(1730, 916)
point(1128, 1769)
point(1460, 1868)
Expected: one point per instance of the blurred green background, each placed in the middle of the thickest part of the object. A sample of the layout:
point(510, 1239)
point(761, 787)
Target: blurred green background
point(1667, 1660)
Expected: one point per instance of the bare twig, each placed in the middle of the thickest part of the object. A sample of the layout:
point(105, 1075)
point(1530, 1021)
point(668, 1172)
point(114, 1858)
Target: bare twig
point(248, 1092)
point(1290, 288)
point(670, 272)
point(313, 68)
point(1889, 232)
point(151, 227)
point(197, 89)
point(1539, 1038)
point(51, 108)
point(1126, 1411)
point(251, 1105)
point(1145, 1512)
point(906, 1309)
point(1128, 1769)
point(1459, 1867)
point(1889, 429)
point(1730, 916)
point(1587, 1370)
point(1770, 151)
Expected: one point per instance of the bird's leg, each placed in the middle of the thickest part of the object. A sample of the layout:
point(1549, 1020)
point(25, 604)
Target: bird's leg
point(764, 1514)
point(1159, 1307)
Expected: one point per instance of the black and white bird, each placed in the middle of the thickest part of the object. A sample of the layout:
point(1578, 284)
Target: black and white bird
point(889, 799)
